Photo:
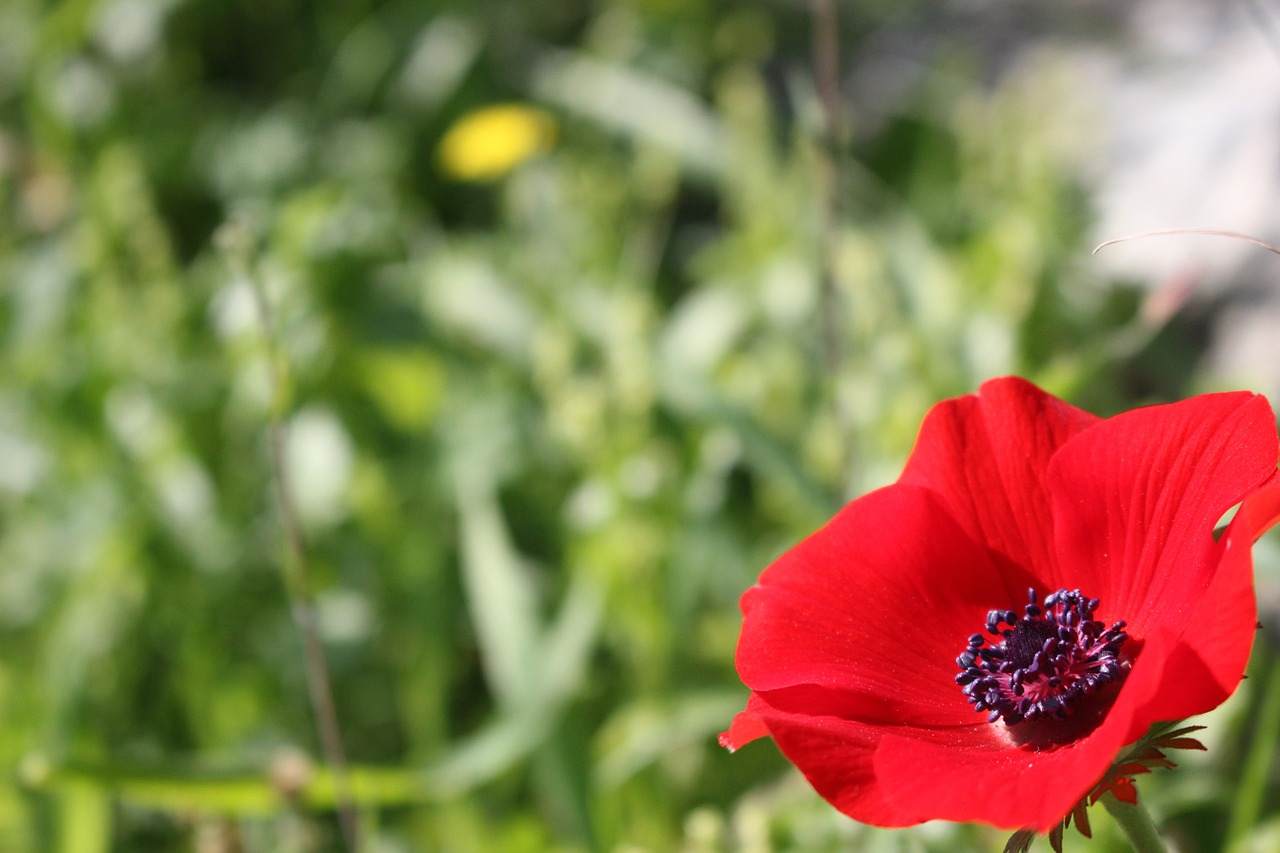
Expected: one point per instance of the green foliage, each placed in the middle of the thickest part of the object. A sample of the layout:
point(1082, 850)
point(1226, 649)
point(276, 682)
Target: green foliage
point(543, 431)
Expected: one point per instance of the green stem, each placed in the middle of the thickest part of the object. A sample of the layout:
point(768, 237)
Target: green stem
point(1136, 823)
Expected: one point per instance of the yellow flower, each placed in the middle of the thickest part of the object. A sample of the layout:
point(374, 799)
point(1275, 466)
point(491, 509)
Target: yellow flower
point(486, 144)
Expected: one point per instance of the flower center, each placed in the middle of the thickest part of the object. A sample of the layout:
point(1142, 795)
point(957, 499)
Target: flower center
point(1044, 662)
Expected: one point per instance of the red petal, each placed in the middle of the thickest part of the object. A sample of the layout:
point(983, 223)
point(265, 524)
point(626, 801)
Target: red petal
point(1136, 498)
point(987, 455)
point(836, 757)
point(1210, 659)
point(864, 619)
point(1260, 512)
point(1008, 786)
point(746, 727)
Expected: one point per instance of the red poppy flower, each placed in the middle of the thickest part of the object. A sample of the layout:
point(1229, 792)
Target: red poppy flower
point(982, 639)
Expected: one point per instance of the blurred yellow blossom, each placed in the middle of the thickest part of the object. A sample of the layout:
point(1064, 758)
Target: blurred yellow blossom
point(486, 144)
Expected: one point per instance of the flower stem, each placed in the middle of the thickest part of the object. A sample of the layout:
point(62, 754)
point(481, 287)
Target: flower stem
point(1136, 823)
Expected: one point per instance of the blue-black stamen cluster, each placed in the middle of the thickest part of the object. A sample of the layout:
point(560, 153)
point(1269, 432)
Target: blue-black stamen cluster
point(1044, 660)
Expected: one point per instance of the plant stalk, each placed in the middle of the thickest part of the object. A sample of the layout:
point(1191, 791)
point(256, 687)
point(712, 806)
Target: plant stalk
point(1136, 823)
point(825, 47)
point(295, 566)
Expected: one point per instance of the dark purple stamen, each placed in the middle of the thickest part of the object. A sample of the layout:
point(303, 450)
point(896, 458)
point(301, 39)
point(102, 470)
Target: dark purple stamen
point(1040, 664)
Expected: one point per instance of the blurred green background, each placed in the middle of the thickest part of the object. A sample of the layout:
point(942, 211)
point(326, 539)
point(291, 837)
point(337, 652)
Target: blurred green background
point(583, 313)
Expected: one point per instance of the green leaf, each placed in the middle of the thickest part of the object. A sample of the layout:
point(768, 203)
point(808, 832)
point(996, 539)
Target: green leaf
point(501, 599)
